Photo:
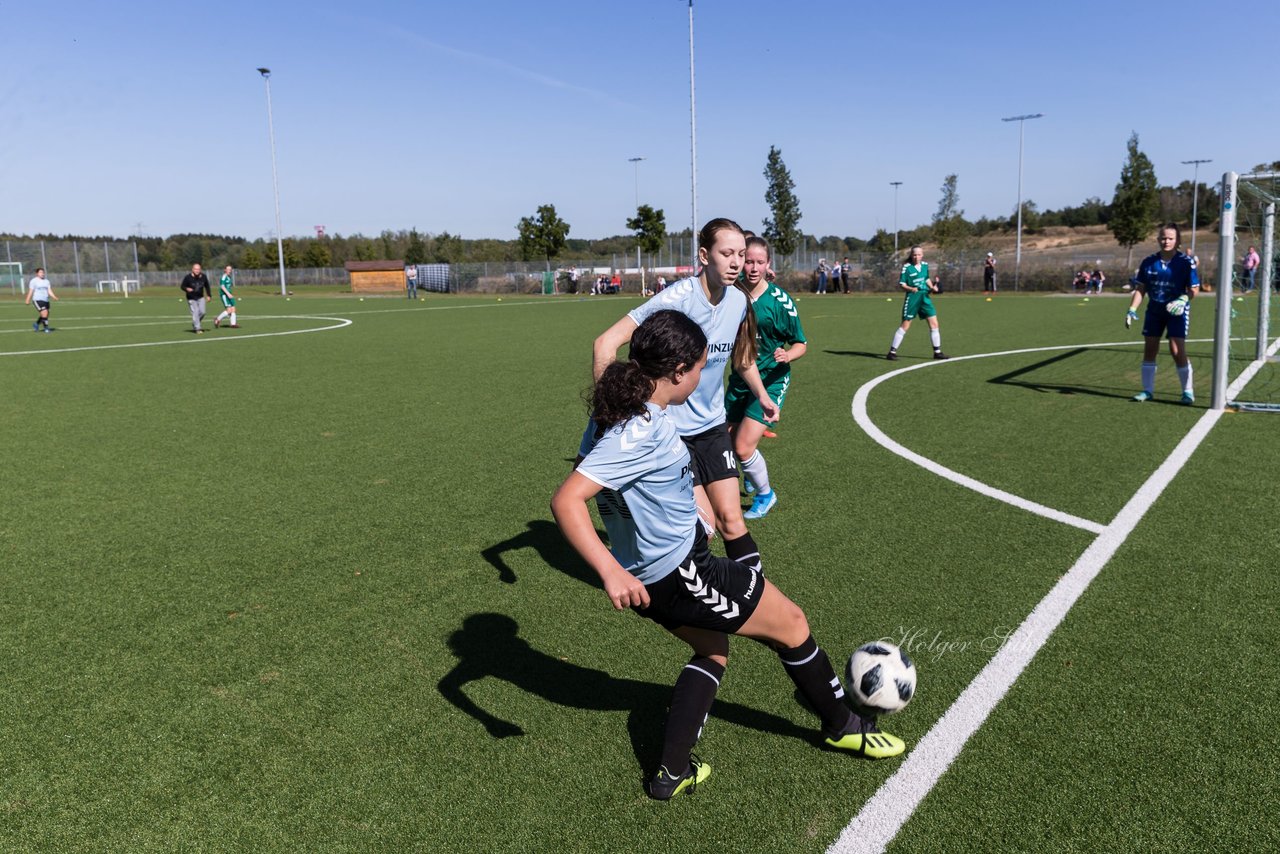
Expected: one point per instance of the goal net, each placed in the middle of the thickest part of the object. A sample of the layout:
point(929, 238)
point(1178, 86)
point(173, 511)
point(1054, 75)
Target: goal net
point(1246, 366)
point(11, 277)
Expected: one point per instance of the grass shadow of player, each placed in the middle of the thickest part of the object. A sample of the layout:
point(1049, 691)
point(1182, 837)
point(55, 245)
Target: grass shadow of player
point(489, 646)
point(544, 537)
point(1023, 377)
point(861, 353)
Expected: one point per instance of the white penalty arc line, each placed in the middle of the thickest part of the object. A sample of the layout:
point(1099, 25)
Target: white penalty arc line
point(864, 421)
point(880, 819)
point(337, 323)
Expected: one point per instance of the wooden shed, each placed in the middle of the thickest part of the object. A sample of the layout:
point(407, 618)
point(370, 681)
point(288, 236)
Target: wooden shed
point(376, 276)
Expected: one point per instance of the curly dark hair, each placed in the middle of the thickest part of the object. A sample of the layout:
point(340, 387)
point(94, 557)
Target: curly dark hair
point(666, 341)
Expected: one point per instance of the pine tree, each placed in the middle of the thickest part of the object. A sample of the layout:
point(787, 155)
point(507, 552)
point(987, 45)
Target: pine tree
point(1137, 200)
point(782, 228)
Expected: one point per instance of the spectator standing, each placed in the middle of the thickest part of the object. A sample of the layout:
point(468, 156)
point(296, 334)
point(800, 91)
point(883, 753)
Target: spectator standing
point(410, 283)
point(40, 291)
point(822, 275)
point(989, 274)
point(1251, 262)
point(196, 287)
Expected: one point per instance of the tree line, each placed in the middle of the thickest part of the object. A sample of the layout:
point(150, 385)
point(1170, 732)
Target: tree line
point(1138, 204)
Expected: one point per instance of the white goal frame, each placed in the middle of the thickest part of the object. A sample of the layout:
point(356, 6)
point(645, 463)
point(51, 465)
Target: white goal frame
point(6, 270)
point(1233, 185)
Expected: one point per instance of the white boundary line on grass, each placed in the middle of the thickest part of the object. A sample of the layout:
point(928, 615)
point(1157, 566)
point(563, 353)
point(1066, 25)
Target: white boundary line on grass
point(338, 323)
point(881, 817)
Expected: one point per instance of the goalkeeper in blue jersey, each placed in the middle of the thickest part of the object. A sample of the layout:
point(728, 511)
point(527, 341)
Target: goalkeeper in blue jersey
point(1169, 279)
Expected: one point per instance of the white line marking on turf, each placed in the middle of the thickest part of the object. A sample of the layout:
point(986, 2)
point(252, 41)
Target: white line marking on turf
point(338, 323)
point(880, 819)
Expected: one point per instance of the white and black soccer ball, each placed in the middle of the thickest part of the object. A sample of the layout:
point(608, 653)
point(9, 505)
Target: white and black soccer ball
point(882, 679)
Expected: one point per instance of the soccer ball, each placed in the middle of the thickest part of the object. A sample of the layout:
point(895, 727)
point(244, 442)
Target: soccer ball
point(881, 678)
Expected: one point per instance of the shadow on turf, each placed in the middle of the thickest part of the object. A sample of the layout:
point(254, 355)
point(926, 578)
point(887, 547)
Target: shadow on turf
point(489, 645)
point(545, 538)
point(1021, 377)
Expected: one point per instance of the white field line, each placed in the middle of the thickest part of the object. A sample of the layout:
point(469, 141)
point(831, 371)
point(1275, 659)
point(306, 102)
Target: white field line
point(880, 819)
point(337, 323)
point(340, 322)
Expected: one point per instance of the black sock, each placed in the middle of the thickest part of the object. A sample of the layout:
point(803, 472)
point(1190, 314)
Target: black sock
point(691, 701)
point(745, 551)
point(809, 667)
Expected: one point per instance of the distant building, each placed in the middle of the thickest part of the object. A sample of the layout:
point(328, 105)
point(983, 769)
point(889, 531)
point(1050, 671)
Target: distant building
point(376, 276)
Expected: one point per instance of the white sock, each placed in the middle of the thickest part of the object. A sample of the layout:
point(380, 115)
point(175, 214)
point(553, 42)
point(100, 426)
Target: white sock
point(222, 317)
point(233, 317)
point(936, 337)
point(897, 338)
point(1149, 377)
point(754, 467)
point(1184, 376)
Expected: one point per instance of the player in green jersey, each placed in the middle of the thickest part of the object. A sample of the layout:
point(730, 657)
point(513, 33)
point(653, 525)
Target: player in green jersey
point(916, 283)
point(780, 341)
point(225, 286)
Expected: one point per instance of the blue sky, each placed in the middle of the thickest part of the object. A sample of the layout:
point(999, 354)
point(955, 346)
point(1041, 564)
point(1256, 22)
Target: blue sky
point(466, 116)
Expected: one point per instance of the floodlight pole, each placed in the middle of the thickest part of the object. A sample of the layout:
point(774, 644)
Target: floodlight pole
point(275, 180)
point(693, 146)
point(1195, 197)
point(1017, 258)
point(896, 185)
point(636, 161)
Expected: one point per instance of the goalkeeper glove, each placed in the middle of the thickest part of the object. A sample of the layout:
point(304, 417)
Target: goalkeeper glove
point(1179, 306)
point(1130, 318)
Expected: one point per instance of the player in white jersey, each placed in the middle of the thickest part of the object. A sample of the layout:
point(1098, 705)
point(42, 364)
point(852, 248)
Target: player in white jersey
point(639, 472)
point(40, 291)
point(719, 305)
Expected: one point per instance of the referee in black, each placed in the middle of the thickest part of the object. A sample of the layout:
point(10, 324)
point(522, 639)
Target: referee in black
point(196, 287)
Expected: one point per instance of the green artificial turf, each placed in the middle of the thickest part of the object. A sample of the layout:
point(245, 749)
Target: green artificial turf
point(303, 591)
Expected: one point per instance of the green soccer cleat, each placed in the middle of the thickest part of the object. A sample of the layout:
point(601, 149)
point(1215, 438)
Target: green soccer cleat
point(664, 786)
point(867, 740)
point(1142, 397)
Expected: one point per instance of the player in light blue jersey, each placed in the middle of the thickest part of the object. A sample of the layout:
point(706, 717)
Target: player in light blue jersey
point(40, 292)
point(639, 472)
point(1170, 281)
point(719, 305)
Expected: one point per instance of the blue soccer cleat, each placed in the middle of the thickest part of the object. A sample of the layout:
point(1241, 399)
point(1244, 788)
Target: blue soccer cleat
point(762, 504)
point(1188, 398)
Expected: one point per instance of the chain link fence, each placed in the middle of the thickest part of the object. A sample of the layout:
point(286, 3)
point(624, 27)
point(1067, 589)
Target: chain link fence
point(110, 266)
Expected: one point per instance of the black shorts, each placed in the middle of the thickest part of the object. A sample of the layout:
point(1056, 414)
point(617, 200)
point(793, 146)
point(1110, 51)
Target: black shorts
point(711, 455)
point(705, 592)
point(42, 304)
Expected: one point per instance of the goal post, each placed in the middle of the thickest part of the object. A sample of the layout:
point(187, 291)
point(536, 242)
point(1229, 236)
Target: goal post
point(11, 276)
point(1246, 287)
